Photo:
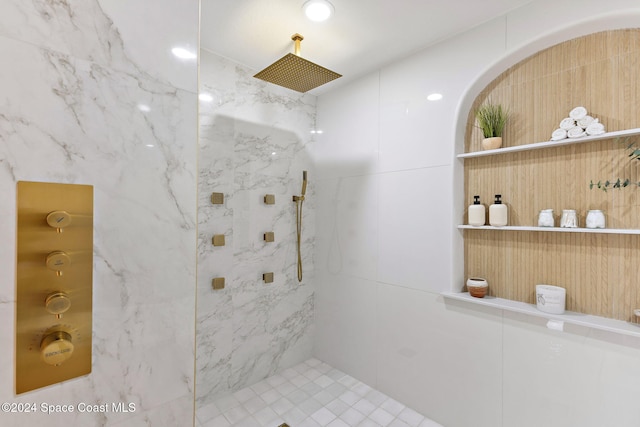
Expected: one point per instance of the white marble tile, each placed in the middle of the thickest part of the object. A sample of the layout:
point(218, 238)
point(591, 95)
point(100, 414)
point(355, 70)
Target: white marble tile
point(337, 406)
point(338, 423)
point(381, 417)
point(109, 33)
point(282, 406)
point(69, 120)
point(266, 416)
point(392, 406)
point(323, 416)
point(252, 142)
point(352, 417)
point(411, 417)
point(364, 406)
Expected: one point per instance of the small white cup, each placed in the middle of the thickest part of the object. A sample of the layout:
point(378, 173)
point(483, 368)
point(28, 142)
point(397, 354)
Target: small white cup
point(551, 299)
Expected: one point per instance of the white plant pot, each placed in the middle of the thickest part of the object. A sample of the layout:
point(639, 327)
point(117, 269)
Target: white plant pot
point(492, 143)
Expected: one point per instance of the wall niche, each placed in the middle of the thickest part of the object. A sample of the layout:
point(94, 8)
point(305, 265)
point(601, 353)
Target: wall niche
point(601, 72)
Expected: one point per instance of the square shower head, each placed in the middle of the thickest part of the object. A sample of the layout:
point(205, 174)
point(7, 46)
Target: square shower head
point(295, 72)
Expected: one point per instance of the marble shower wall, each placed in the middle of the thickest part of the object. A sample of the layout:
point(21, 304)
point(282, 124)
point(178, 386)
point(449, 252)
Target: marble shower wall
point(254, 140)
point(92, 95)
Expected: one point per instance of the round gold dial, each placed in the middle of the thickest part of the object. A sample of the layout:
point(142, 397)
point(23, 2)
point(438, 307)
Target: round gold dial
point(56, 347)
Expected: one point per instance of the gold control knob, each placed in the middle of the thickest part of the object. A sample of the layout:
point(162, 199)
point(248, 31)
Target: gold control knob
point(58, 261)
point(59, 220)
point(56, 348)
point(57, 303)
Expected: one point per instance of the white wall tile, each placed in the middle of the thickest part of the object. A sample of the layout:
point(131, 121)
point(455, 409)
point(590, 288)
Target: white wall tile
point(346, 320)
point(414, 229)
point(557, 378)
point(348, 216)
point(443, 357)
point(436, 357)
point(349, 120)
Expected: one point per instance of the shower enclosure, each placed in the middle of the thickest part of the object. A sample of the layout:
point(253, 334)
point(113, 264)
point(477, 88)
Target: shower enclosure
point(254, 140)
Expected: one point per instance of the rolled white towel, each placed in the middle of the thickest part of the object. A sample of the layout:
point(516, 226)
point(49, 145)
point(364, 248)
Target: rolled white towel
point(575, 132)
point(567, 123)
point(578, 113)
point(558, 134)
point(595, 128)
point(585, 121)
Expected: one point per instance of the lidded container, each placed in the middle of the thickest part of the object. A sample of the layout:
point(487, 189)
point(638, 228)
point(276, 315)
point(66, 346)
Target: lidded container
point(477, 212)
point(595, 219)
point(545, 219)
point(498, 213)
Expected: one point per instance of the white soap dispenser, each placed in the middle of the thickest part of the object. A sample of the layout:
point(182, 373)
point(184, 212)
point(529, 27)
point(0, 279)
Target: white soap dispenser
point(498, 213)
point(477, 212)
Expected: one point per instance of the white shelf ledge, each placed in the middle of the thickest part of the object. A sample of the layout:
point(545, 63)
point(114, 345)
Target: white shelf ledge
point(594, 322)
point(552, 229)
point(548, 144)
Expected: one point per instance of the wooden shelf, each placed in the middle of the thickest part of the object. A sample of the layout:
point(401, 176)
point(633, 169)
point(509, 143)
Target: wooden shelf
point(595, 322)
point(549, 144)
point(552, 229)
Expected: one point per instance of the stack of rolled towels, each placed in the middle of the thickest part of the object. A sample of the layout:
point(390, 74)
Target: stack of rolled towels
point(578, 124)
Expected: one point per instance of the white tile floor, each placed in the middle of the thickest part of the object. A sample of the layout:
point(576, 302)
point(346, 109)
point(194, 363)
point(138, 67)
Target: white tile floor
point(310, 394)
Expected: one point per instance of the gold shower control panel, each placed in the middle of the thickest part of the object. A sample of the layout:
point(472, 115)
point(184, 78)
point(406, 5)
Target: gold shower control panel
point(54, 283)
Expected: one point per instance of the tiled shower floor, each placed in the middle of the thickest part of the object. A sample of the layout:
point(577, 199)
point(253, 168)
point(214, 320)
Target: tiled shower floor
point(310, 394)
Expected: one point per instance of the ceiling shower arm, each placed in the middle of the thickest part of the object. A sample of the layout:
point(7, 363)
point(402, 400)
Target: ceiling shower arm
point(297, 38)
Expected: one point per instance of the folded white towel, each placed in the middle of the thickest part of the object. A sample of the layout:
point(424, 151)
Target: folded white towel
point(578, 113)
point(567, 123)
point(558, 134)
point(575, 132)
point(595, 128)
point(585, 121)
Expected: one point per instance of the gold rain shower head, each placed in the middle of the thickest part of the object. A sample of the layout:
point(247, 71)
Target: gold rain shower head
point(294, 72)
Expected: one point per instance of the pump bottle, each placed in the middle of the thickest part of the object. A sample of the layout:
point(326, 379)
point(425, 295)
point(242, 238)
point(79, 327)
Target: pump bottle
point(498, 213)
point(477, 212)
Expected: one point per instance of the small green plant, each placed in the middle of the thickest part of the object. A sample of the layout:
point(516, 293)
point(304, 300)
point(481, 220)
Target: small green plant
point(492, 119)
point(634, 154)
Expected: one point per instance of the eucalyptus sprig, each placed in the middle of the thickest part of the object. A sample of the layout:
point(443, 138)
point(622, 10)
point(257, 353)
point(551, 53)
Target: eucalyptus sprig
point(608, 184)
point(492, 119)
point(634, 154)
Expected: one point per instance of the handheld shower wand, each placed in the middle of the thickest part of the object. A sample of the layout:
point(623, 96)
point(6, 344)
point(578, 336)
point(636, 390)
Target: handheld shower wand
point(298, 200)
point(304, 182)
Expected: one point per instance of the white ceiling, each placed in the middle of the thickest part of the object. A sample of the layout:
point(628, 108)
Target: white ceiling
point(362, 36)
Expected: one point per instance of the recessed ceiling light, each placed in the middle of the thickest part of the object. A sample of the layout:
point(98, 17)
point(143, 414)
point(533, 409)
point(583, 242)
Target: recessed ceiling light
point(435, 97)
point(205, 97)
point(183, 53)
point(318, 10)
point(144, 108)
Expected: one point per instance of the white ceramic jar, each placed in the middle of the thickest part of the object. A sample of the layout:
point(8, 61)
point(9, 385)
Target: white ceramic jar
point(545, 219)
point(595, 219)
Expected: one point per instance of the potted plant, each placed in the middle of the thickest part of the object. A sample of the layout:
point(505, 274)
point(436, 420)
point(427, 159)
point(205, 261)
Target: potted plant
point(492, 119)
